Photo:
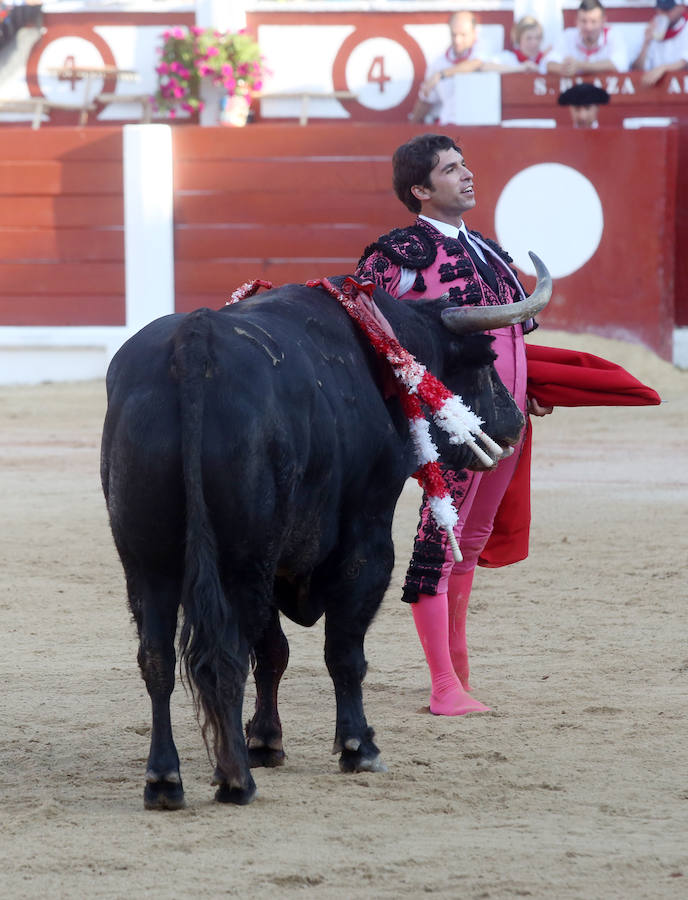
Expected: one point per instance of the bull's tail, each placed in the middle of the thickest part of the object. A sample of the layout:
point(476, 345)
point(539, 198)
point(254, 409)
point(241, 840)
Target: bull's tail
point(210, 642)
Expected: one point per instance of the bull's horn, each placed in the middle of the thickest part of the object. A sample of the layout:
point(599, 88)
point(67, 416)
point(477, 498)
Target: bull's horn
point(470, 319)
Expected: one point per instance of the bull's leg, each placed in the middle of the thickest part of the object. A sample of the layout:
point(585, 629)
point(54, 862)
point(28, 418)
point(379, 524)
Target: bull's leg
point(232, 776)
point(155, 610)
point(347, 667)
point(217, 660)
point(264, 731)
point(220, 681)
point(364, 571)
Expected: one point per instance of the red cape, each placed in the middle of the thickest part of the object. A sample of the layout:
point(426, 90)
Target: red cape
point(556, 378)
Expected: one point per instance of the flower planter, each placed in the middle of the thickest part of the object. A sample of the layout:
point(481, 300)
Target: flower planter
point(210, 72)
point(235, 110)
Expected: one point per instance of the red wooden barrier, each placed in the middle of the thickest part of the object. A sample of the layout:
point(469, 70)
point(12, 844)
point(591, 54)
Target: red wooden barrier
point(532, 96)
point(283, 203)
point(288, 203)
point(61, 227)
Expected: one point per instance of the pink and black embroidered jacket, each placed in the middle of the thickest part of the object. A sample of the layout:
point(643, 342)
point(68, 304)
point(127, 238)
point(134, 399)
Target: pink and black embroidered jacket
point(442, 266)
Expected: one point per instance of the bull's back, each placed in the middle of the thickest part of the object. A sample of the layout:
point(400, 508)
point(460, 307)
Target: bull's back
point(292, 424)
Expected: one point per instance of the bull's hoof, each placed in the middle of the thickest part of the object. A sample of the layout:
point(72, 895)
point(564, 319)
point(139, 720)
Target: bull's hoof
point(163, 795)
point(234, 793)
point(356, 762)
point(240, 796)
point(265, 757)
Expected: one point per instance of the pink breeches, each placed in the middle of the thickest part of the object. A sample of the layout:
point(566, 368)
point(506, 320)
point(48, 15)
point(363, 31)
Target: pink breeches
point(482, 493)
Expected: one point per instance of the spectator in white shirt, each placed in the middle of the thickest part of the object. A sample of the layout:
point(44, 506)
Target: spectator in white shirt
point(592, 46)
point(527, 54)
point(665, 45)
point(465, 54)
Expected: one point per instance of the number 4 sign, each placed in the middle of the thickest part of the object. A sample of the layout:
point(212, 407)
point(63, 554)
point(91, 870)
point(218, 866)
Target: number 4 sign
point(383, 72)
point(376, 72)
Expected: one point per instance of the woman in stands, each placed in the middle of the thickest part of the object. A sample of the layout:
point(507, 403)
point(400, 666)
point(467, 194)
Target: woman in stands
point(527, 54)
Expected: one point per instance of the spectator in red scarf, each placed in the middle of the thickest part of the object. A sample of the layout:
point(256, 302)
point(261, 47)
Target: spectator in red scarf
point(527, 54)
point(665, 46)
point(465, 54)
point(592, 46)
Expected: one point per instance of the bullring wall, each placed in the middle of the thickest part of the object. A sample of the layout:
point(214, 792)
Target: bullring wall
point(286, 203)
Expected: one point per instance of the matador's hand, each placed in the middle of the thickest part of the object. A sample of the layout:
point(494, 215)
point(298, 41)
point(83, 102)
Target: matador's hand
point(534, 408)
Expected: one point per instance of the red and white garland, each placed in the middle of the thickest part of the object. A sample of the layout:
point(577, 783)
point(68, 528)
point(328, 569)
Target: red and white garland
point(417, 386)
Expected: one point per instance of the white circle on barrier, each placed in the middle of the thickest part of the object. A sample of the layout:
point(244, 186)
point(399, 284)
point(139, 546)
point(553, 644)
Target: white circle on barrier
point(554, 211)
point(63, 53)
point(380, 72)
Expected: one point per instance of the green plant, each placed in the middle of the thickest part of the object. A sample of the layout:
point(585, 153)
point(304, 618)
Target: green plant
point(231, 60)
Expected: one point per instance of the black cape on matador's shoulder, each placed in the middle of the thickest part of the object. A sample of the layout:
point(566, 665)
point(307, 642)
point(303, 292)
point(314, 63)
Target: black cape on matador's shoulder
point(415, 247)
point(411, 248)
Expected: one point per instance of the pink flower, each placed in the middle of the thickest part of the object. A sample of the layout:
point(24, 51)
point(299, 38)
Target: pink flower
point(230, 84)
point(204, 70)
point(227, 69)
point(173, 113)
point(183, 72)
point(162, 69)
point(178, 33)
point(179, 92)
point(212, 51)
point(174, 66)
point(257, 85)
point(197, 30)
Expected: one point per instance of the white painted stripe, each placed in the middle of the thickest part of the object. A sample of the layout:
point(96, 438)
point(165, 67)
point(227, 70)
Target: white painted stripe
point(680, 354)
point(148, 223)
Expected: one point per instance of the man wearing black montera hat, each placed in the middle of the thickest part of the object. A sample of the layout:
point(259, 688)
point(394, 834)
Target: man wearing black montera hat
point(665, 46)
point(584, 101)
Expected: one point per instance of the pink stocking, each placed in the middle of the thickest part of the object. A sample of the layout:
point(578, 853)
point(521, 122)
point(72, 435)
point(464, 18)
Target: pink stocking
point(459, 592)
point(447, 698)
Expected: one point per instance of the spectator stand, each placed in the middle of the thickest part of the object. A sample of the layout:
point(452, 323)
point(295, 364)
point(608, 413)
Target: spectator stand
point(93, 63)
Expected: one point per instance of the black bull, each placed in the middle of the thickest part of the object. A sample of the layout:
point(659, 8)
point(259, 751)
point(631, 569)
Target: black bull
point(251, 462)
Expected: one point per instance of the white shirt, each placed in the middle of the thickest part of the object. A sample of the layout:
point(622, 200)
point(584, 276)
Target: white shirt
point(442, 95)
point(408, 276)
point(661, 53)
point(509, 58)
point(610, 46)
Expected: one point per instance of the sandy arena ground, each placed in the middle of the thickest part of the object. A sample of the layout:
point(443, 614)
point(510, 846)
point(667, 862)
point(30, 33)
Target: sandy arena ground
point(575, 786)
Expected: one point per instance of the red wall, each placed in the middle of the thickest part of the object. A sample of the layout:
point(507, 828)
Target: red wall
point(61, 227)
point(287, 204)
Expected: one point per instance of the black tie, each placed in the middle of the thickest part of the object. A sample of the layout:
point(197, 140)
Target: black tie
point(484, 269)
